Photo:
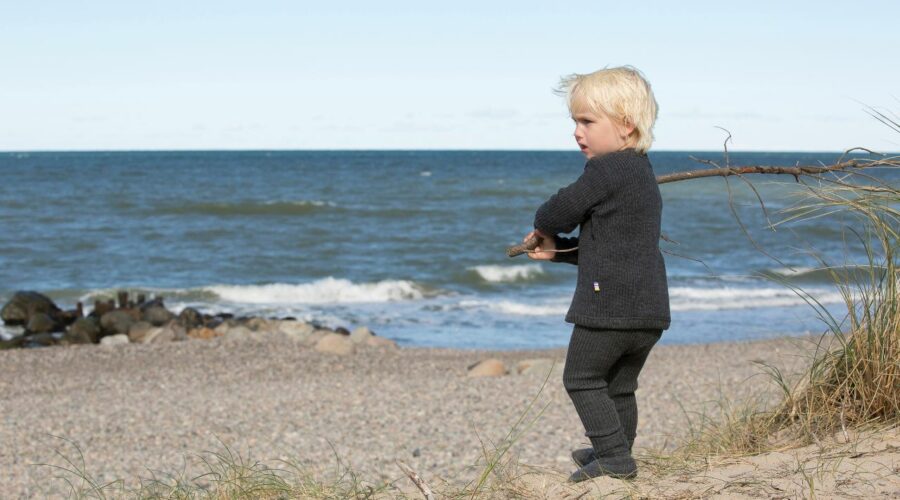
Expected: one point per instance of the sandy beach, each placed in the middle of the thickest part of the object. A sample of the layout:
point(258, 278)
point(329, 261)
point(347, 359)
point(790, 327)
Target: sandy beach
point(136, 407)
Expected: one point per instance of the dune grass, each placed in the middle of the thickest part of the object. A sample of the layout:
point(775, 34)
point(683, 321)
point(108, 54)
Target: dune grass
point(853, 375)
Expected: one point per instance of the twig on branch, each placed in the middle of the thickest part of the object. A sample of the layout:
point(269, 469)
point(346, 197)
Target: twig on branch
point(763, 169)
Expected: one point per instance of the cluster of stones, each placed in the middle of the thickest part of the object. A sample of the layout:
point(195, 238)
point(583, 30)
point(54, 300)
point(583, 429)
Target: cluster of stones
point(148, 321)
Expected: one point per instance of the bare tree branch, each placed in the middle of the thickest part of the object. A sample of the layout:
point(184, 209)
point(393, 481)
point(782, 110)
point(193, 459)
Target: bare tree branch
point(817, 172)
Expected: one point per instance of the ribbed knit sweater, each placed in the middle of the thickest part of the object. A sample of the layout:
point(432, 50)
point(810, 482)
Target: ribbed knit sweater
point(621, 271)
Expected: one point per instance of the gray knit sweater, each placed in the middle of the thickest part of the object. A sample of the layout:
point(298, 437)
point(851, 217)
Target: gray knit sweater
point(621, 272)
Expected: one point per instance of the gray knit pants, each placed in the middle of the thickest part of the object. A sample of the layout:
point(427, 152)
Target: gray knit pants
point(600, 375)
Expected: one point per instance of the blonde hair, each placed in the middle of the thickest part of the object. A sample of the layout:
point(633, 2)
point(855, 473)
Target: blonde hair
point(621, 93)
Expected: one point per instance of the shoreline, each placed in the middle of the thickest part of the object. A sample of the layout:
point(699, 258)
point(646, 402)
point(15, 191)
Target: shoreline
point(512, 333)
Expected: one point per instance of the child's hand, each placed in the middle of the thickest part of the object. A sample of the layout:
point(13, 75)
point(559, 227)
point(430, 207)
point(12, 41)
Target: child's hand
point(541, 252)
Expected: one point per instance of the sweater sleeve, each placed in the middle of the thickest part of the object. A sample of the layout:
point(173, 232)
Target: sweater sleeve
point(565, 210)
point(563, 243)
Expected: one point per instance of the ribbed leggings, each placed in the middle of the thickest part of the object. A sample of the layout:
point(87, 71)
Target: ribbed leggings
point(600, 376)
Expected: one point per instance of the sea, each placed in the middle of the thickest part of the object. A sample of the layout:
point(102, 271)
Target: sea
point(411, 243)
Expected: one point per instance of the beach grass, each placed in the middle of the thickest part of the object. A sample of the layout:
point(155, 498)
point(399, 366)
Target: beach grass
point(853, 375)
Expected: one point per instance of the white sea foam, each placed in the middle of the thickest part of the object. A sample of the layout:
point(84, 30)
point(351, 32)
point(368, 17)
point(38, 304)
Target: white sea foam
point(328, 290)
point(324, 291)
point(517, 308)
point(501, 274)
point(8, 332)
point(294, 299)
point(796, 271)
point(510, 307)
point(680, 299)
point(698, 299)
point(302, 312)
point(90, 296)
point(316, 203)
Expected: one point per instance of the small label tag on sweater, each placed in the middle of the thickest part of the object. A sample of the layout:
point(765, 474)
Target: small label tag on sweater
point(597, 286)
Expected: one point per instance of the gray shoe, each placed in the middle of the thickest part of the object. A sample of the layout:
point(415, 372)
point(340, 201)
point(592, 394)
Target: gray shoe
point(585, 456)
point(623, 467)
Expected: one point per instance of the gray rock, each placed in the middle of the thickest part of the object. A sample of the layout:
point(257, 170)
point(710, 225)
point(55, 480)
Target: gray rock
point(360, 335)
point(138, 331)
point(257, 324)
point(116, 322)
point(296, 330)
point(156, 315)
point(41, 339)
point(41, 323)
point(83, 331)
point(144, 333)
point(23, 304)
point(191, 318)
point(178, 332)
point(158, 334)
point(154, 302)
point(117, 339)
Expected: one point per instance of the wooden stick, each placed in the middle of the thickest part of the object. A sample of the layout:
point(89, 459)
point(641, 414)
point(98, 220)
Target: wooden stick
point(526, 247)
point(416, 480)
point(726, 171)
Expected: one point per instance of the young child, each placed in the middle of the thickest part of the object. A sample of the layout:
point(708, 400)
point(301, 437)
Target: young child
point(621, 302)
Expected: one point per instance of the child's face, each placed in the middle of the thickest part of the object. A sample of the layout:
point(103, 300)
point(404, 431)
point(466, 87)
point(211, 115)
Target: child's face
point(597, 134)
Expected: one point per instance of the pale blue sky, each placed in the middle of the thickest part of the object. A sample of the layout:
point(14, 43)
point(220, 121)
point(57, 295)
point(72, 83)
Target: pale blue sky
point(786, 76)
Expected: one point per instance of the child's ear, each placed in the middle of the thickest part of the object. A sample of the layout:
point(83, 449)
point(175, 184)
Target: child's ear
point(627, 127)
